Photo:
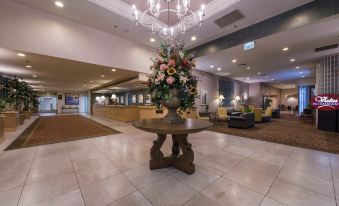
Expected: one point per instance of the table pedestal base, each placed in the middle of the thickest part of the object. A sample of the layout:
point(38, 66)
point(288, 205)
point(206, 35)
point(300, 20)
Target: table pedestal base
point(183, 162)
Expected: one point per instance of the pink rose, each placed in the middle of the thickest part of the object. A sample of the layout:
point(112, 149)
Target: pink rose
point(163, 67)
point(170, 80)
point(171, 62)
point(160, 78)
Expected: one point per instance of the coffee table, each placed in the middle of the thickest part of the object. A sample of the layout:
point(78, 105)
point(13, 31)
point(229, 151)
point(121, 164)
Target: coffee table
point(179, 133)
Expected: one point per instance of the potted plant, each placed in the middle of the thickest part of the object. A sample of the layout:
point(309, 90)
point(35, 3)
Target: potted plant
point(2, 117)
point(28, 94)
point(19, 94)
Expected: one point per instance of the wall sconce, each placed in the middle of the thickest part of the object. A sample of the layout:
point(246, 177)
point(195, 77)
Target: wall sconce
point(102, 97)
point(97, 98)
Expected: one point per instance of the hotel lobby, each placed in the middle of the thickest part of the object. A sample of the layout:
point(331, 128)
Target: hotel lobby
point(169, 103)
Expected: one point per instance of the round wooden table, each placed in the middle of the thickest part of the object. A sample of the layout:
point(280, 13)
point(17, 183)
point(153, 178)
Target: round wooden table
point(179, 133)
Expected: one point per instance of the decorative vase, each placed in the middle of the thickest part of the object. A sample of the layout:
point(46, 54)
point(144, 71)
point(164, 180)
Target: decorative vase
point(172, 104)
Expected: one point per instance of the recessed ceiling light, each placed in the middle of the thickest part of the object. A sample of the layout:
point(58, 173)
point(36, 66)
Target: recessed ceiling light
point(152, 40)
point(35, 76)
point(273, 79)
point(219, 69)
point(292, 60)
point(248, 68)
point(298, 67)
point(211, 66)
point(302, 76)
point(248, 78)
point(300, 72)
point(114, 70)
point(258, 73)
point(285, 49)
point(28, 66)
point(59, 4)
point(193, 38)
point(21, 54)
point(234, 61)
point(102, 76)
point(91, 81)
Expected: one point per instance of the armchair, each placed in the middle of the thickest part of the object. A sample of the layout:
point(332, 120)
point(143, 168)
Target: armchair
point(244, 121)
point(222, 113)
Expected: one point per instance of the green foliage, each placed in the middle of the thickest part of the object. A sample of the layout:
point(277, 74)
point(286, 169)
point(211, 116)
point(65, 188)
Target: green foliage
point(173, 69)
point(3, 104)
point(207, 107)
point(267, 102)
point(248, 110)
point(19, 93)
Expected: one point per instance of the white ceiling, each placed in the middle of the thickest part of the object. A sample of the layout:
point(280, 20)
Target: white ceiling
point(56, 74)
point(100, 15)
point(268, 58)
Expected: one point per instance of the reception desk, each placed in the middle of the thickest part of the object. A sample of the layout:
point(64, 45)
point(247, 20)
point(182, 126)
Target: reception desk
point(130, 113)
point(117, 112)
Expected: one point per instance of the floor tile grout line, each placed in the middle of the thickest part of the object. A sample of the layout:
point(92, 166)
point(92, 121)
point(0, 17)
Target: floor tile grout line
point(122, 173)
point(335, 194)
point(276, 180)
point(76, 176)
point(24, 185)
point(294, 184)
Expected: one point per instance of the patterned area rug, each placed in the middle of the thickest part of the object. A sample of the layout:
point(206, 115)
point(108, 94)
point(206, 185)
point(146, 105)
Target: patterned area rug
point(60, 128)
point(286, 130)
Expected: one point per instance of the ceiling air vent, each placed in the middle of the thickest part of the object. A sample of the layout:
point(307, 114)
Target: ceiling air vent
point(324, 48)
point(229, 18)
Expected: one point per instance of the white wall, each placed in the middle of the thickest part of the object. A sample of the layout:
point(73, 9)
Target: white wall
point(211, 83)
point(30, 30)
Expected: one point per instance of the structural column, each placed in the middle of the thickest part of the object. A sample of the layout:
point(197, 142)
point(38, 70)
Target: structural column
point(328, 83)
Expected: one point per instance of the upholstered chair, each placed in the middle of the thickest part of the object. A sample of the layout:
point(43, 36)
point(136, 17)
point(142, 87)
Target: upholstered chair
point(222, 113)
point(269, 111)
point(257, 114)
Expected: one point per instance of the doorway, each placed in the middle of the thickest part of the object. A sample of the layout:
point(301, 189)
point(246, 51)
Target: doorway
point(47, 104)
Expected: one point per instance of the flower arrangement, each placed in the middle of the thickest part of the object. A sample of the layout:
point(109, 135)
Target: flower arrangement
point(172, 69)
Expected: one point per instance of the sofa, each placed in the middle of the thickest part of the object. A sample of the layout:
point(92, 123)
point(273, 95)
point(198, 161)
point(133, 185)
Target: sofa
point(243, 121)
point(276, 113)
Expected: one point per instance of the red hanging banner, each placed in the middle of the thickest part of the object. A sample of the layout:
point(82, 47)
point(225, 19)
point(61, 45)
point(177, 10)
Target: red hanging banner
point(325, 102)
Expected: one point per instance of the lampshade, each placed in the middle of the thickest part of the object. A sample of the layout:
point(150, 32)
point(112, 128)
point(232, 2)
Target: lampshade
point(97, 98)
point(103, 97)
point(114, 96)
point(221, 97)
point(237, 98)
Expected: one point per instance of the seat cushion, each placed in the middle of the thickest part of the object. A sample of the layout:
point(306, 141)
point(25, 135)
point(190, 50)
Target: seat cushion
point(265, 118)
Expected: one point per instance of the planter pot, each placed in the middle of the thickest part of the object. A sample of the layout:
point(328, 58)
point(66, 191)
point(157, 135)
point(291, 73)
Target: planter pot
point(28, 114)
point(2, 127)
point(22, 118)
point(172, 104)
point(11, 121)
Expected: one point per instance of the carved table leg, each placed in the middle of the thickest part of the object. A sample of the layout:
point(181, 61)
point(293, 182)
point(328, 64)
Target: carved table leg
point(185, 161)
point(175, 147)
point(157, 157)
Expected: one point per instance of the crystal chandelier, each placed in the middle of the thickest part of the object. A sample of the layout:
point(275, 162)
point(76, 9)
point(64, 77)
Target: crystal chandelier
point(187, 18)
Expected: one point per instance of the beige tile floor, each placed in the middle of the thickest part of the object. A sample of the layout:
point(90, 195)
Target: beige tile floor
point(113, 171)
